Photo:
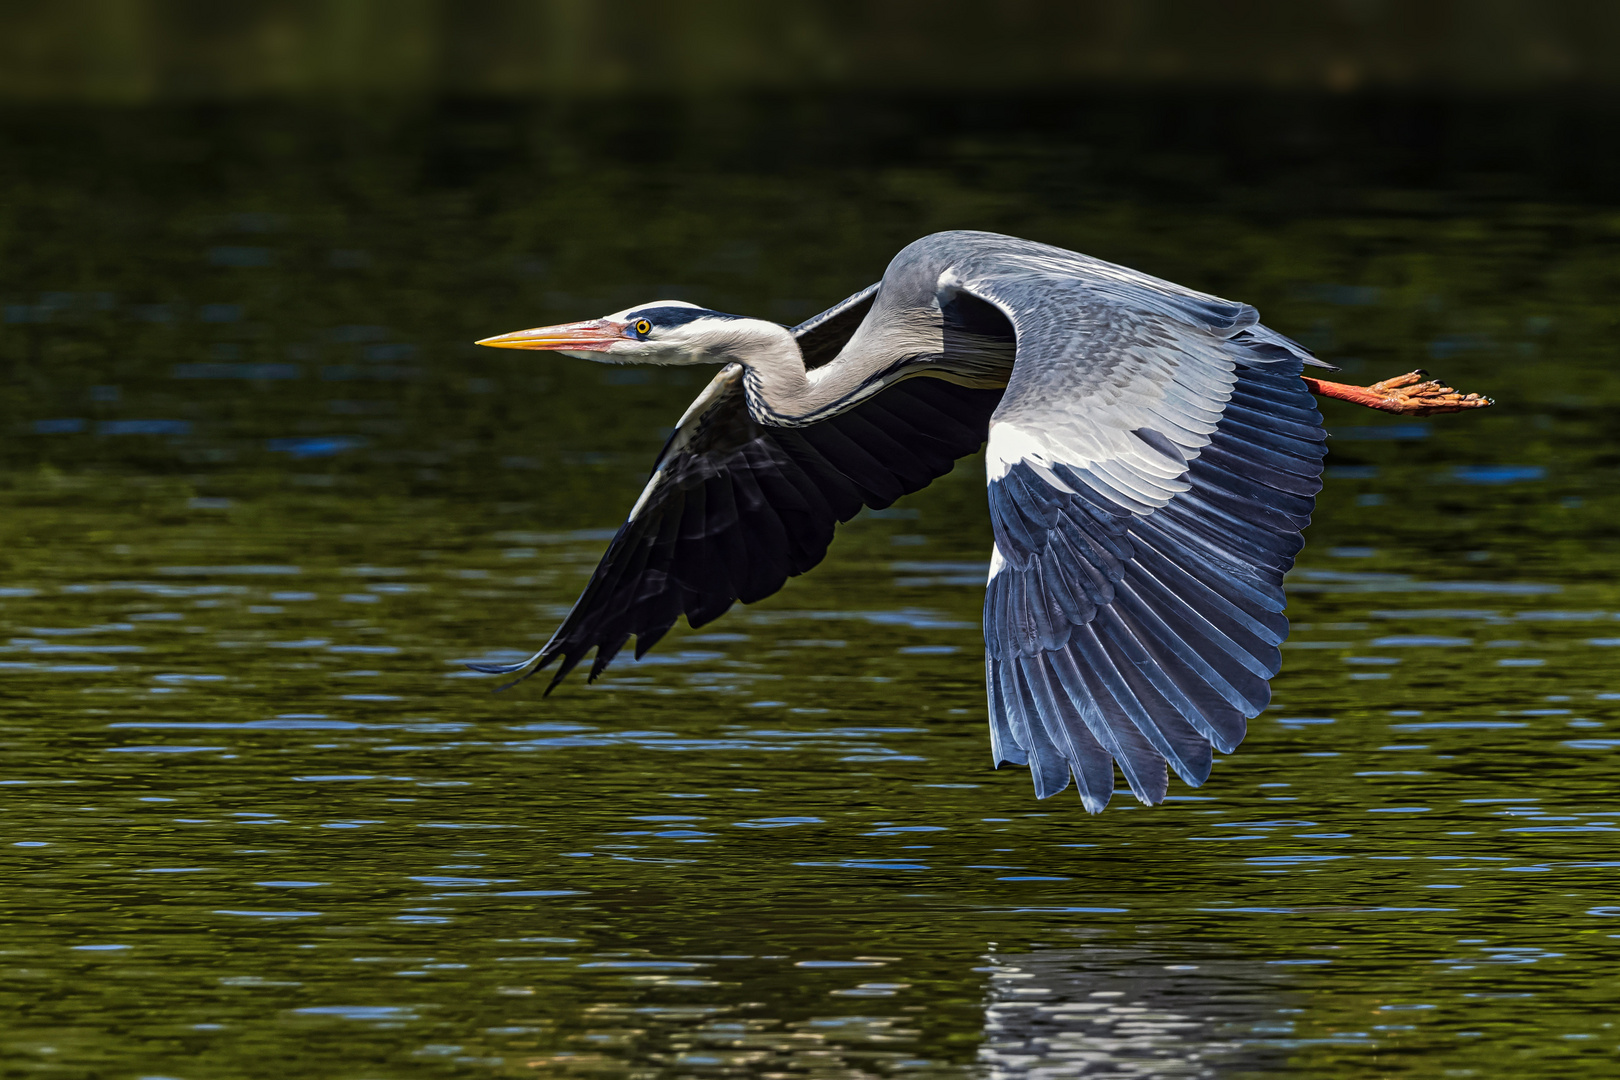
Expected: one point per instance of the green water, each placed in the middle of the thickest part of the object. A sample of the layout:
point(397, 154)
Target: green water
point(259, 498)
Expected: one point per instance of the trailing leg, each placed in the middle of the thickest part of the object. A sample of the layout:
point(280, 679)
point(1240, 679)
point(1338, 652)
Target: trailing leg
point(1406, 395)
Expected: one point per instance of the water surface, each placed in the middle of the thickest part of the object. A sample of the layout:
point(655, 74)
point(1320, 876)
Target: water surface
point(259, 499)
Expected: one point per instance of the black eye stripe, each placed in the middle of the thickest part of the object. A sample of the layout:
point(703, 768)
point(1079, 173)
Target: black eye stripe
point(666, 317)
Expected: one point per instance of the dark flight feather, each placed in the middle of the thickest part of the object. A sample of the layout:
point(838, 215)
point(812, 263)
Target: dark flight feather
point(736, 507)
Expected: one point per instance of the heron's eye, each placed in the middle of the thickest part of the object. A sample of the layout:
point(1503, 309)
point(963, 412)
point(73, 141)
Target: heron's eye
point(643, 327)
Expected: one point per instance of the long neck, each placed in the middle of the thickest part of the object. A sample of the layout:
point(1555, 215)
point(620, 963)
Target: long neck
point(781, 392)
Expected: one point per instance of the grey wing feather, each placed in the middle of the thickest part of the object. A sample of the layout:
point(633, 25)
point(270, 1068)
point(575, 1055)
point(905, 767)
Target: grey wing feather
point(1151, 467)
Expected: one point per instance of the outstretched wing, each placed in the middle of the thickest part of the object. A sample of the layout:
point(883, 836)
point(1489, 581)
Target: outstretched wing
point(1151, 467)
point(734, 508)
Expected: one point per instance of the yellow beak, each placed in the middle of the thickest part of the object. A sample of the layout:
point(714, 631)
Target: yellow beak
point(593, 335)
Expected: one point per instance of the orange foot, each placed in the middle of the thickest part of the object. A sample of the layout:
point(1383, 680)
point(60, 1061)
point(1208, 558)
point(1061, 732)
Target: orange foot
point(1406, 394)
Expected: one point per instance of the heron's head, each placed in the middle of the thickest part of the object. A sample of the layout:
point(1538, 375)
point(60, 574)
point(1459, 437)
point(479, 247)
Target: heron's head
point(662, 332)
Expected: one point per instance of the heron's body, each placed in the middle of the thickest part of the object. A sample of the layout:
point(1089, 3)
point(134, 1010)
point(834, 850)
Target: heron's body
point(1153, 456)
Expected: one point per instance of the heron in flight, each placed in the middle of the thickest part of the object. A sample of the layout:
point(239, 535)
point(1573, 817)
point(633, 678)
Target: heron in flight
point(1153, 455)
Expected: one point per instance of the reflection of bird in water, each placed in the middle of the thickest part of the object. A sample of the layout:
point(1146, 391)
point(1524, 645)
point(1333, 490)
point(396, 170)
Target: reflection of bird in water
point(1153, 455)
point(1123, 1012)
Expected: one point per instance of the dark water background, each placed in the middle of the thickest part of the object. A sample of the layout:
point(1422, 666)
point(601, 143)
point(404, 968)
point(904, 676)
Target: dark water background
point(259, 497)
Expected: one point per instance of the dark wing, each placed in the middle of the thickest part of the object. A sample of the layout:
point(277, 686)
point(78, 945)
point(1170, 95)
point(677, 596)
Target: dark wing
point(1151, 467)
point(821, 336)
point(734, 508)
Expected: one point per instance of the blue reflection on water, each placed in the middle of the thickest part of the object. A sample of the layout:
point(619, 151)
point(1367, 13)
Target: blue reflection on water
point(1498, 474)
point(314, 445)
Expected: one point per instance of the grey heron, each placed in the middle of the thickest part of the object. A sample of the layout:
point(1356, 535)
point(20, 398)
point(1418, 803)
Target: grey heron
point(1153, 456)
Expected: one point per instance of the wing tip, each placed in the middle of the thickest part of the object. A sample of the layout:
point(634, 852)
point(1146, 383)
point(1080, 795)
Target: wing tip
point(497, 669)
point(523, 669)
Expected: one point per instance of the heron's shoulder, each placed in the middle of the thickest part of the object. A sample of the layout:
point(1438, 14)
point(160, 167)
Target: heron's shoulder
point(964, 256)
point(1027, 278)
point(972, 245)
point(954, 246)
